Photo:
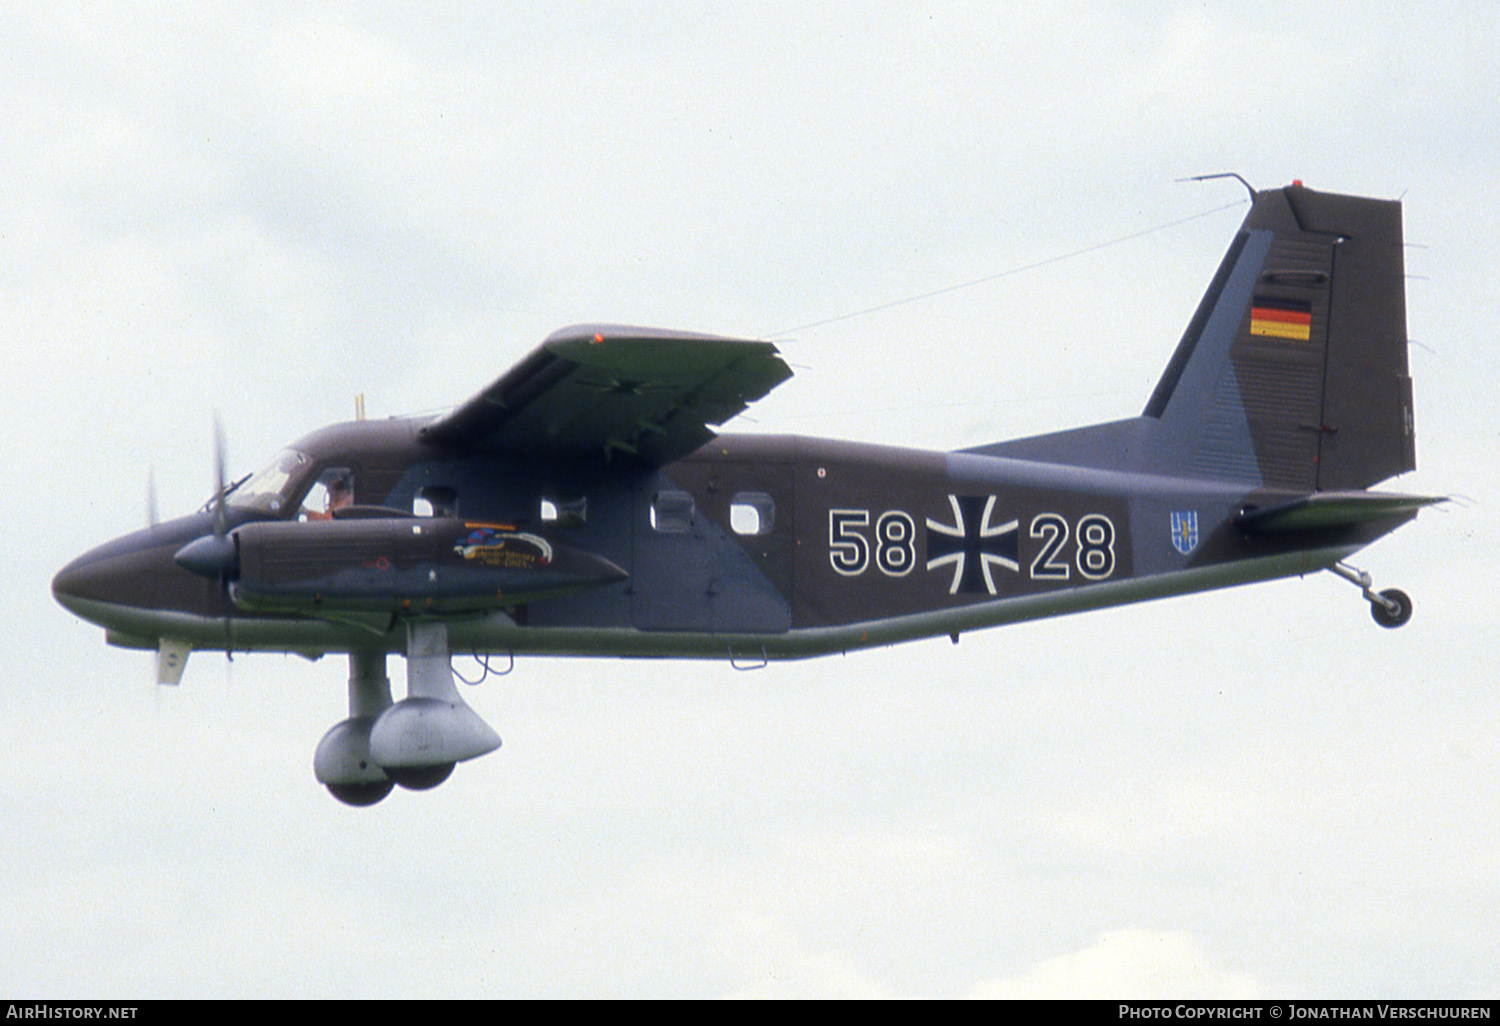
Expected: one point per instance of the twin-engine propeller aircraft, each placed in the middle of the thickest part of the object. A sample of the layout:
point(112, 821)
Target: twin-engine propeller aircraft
point(581, 505)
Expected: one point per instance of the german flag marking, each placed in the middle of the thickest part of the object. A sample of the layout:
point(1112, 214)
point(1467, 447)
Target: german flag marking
point(1281, 318)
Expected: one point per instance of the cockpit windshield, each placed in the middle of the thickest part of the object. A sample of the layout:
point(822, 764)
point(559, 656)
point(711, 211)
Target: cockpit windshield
point(267, 490)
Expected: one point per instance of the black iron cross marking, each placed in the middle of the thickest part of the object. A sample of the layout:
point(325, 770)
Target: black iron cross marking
point(971, 544)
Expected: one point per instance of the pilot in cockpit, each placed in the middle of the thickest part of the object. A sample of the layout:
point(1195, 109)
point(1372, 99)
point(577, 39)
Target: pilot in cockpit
point(340, 493)
point(335, 488)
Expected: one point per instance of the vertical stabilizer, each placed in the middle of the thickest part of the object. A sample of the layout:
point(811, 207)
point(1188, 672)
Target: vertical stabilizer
point(1294, 368)
point(1292, 374)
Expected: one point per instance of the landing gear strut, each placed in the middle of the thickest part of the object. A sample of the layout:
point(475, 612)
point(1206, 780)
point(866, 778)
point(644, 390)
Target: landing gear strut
point(1390, 608)
point(414, 742)
point(343, 762)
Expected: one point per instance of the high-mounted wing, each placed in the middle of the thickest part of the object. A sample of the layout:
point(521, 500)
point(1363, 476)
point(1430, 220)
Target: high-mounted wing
point(611, 390)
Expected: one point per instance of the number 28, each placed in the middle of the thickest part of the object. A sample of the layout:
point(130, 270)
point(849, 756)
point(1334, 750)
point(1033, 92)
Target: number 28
point(1095, 557)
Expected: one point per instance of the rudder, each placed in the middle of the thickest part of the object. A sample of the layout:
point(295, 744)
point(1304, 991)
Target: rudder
point(1367, 428)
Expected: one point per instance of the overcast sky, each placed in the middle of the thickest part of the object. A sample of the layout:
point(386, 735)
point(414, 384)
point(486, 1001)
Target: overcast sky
point(258, 211)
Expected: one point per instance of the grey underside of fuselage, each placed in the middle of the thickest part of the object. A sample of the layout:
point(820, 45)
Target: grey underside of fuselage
point(499, 633)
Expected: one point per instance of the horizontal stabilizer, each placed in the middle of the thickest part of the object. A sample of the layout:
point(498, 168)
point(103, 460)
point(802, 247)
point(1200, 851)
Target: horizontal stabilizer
point(1323, 510)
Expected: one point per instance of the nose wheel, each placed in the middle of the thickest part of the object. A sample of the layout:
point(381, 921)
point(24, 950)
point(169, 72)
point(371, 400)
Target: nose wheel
point(1391, 608)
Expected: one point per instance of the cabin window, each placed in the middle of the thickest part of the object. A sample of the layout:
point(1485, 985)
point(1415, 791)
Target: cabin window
point(435, 501)
point(752, 513)
point(672, 512)
point(563, 516)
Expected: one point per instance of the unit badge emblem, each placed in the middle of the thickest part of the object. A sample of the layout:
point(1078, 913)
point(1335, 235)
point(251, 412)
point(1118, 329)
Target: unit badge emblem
point(1185, 531)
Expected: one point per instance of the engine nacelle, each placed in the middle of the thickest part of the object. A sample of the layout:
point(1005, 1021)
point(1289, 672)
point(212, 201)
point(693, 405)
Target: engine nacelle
point(404, 566)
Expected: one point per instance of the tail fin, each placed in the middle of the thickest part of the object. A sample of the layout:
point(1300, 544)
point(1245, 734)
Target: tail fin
point(1292, 373)
point(1294, 368)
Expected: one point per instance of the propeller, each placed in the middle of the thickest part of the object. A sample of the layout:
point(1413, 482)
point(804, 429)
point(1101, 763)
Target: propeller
point(216, 555)
point(220, 520)
point(152, 517)
point(229, 551)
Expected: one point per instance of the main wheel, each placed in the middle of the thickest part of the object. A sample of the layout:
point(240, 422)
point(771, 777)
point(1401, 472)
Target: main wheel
point(420, 778)
point(1392, 617)
point(361, 794)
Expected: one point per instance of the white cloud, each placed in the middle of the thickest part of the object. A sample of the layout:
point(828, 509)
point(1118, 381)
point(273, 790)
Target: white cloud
point(776, 961)
point(1127, 965)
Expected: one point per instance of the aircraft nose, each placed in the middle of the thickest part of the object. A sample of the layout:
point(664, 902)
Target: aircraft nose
point(79, 579)
point(134, 571)
point(92, 577)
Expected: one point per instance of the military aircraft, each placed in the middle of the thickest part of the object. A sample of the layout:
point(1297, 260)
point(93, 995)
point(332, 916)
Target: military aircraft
point(581, 505)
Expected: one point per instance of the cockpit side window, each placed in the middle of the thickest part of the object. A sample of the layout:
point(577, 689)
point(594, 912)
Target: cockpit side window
point(332, 491)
